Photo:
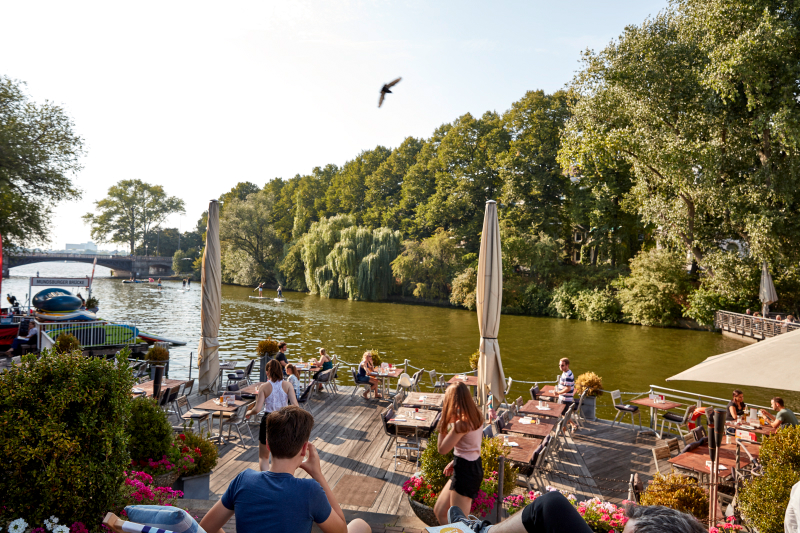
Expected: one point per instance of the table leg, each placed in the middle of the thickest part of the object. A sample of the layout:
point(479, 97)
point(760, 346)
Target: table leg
point(219, 428)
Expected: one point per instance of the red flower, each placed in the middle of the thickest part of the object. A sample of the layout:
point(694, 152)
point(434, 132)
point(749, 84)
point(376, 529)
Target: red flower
point(182, 436)
point(197, 451)
point(185, 449)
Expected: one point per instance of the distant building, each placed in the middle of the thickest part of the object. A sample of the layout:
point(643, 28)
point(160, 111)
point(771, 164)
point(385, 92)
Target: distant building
point(84, 247)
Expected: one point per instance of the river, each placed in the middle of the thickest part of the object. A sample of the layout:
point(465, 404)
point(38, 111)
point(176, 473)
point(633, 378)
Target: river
point(629, 358)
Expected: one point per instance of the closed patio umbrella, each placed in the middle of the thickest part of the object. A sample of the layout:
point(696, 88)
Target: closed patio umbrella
point(489, 296)
point(766, 292)
point(210, 304)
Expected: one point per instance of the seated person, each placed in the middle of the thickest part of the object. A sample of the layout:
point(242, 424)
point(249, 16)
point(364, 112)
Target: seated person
point(325, 361)
point(30, 338)
point(275, 500)
point(553, 513)
point(783, 416)
point(736, 407)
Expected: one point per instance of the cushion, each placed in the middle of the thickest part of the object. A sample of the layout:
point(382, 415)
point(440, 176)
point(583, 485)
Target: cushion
point(694, 445)
point(628, 408)
point(672, 417)
point(169, 518)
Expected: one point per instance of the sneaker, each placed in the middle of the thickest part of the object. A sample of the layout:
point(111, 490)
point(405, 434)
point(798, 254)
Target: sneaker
point(455, 515)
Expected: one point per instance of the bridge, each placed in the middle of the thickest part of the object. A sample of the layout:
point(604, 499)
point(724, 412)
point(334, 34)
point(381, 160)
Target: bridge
point(122, 266)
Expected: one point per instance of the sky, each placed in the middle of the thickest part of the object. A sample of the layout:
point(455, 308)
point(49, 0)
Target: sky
point(198, 96)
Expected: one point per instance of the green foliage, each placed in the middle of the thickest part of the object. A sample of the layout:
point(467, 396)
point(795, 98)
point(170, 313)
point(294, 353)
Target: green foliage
point(130, 212)
point(149, 431)
point(38, 152)
point(597, 305)
point(652, 295)
point(267, 346)
point(702, 304)
point(293, 269)
point(427, 267)
point(64, 422)
point(537, 300)
point(432, 463)
point(92, 302)
point(677, 492)
point(66, 344)
point(376, 358)
point(464, 286)
point(208, 452)
point(764, 499)
point(180, 266)
point(591, 382)
point(491, 450)
point(538, 253)
point(473, 359)
point(564, 298)
point(157, 354)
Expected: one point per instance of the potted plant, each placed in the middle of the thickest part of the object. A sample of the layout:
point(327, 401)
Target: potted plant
point(66, 343)
point(156, 356)
point(593, 385)
point(92, 304)
point(195, 482)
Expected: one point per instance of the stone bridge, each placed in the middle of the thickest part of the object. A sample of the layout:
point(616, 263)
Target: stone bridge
point(122, 266)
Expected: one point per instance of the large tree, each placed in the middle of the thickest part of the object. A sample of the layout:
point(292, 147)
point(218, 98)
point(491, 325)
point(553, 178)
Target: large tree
point(39, 153)
point(129, 214)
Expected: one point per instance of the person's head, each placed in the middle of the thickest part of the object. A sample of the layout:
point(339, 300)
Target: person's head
point(778, 317)
point(281, 346)
point(563, 364)
point(323, 353)
point(459, 405)
point(748, 312)
point(738, 396)
point(658, 519)
point(290, 369)
point(777, 403)
point(288, 430)
point(367, 357)
point(274, 371)
point(790, 318)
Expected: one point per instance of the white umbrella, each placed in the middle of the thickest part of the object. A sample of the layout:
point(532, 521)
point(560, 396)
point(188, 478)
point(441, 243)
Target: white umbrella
point(755, 365)
point(210, 304)
point(766, 292)
point(489, 295)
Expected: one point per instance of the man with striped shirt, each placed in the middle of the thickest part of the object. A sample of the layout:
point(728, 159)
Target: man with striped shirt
point(566, 383)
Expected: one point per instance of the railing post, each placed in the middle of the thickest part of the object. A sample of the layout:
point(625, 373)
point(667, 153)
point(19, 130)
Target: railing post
point(500, 480)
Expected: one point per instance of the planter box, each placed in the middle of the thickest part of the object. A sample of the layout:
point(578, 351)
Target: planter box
point(423, 512)
point(194, 487)
point(588, 408)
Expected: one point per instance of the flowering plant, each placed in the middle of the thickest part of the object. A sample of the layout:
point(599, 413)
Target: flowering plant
point(600, 516)
point(727, 525)
point(179, 456)
point(421, 491)
point(50, 525)
point(138, 490)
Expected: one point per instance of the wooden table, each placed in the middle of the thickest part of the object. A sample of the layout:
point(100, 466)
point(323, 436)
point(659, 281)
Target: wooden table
point(555, 409)
point(763, 430)
point(147, 386)
point(661, 405)
point(252, 389)
point(695, 460)
point(211, 406)
point(524, 452)
point(411, 418)
point(306, 370)
point(469, 380)
point(548, 391)
point(432, 400)
point(542, 429)
point(390, 373)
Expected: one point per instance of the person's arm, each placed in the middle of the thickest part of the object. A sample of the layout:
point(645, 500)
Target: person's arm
point(260, 399)
point(776, 422)
point(217, 517)
point(449, 441)
point(336, 522)
point(732, 411)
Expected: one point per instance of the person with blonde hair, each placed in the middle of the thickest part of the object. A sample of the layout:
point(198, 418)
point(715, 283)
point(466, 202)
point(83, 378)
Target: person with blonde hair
point(326, 362)
point(365, 368)
point(461, 430)
point(272, 395)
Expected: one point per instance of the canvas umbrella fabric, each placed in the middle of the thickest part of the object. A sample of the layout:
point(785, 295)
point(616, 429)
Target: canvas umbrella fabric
point(210, 304)
point(489, 296)
point(766, 292)
point(773, 363)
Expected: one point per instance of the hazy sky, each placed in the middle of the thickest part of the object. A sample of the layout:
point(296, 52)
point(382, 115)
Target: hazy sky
point(198, 96)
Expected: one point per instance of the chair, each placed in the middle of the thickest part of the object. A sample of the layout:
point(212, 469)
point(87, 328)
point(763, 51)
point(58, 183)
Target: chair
point(616, 398)
point(578, 415)
point(415, 379)
point(689, 438)
point(236, 421)
point(498, 425)
point(236, 378)
point(324, 378)
point(488, 432)
point(512, 410)
point(437, 382)
point(407, 439)
point(187, 388)
point(660, 454)
point(334, 374)
point(404, 382)
point(302, 401)
point(677, 421)
point(519, 401)
point(233, 387)
point(192, 414)
point(508, 386)
point(397, 402)
point(247, 371)
point(367, 386)
point(385, 416)
point(535, 392)
point(537, 461)
point(754, 468)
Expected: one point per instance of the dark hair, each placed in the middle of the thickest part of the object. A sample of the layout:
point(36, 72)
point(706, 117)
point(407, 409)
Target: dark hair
point(778, 400)
point(658, 519)
point(736, 392)
point(290, 369)
point(274, 371)
point(288, 429)
point(281, 345)
point(459, 405)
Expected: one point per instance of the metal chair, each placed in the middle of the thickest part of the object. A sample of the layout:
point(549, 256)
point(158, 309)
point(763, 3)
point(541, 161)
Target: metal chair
point(534, 392)
point(386, 415)
point(192, 414)
point(334, 374)
point(187, 388)
point(324, 378)
point(677, 421)
point(616, 396)
point(508, 386)
point(367, 386)
point(236, 421)
point(754, 469)
point(438, 383)
point(578, 415)
point(488, 432)
point(308, 393)
point(407, 439)
point(415, 379)
point(397, 401)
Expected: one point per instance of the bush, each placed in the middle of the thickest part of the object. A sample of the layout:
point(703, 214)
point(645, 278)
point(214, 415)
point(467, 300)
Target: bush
point(657, 287)
point(564, 297)
point(591, 382)
point(157, 354)
point(376, 358)
point(598, 306)
point(463, 292)
point(491, 450)
point(432, 463)
point(150, 431)
point(63, 438)
point(764, 499)
point(537, 300)
point(66, 343)
point(207, 455)
point(267, 346)
point(92, 302)
point(677, 492)
point(473, 360)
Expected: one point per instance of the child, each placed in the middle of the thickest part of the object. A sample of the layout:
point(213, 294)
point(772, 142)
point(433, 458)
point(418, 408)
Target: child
point(460, 430)
point(276, 500)
point(291, 371)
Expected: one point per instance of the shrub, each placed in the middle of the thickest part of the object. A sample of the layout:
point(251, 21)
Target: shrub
point(66, 343)
point(491, 450)
point(591, 382)
point(150, 431)
point(267, 346)
point(537, 300)
point(463, 292)
point(432, 463)
point(206, 450)
point(157, 354)
point(474, 359)
point(138, 489)
point(764, 499)
point(652, 295)
point(376, 358)
point(92, 302)
point(677, 492)
point(62, 436)
point(598, 305)
point(702, 305)
point(564, 297)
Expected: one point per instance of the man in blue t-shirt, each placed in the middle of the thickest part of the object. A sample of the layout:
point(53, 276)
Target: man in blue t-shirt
point(276, 500)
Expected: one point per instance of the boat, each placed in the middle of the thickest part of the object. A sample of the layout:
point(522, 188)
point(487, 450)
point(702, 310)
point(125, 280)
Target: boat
point(260, 297)
point(77, 315)
point(279, 300)
point(56, 300)
point(8, 332)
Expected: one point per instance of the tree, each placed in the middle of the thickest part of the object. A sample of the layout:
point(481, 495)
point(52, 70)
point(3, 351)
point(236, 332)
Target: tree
point(348, 187)
point(39, 151)
point(130, 213)
point(427, 267)
point(382, 196)
point(241, 191)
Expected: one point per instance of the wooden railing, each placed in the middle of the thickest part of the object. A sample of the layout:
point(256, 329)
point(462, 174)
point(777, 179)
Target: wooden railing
point(750, 326)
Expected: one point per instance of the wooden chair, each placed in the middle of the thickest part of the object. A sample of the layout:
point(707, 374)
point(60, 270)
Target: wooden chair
point(534, 392)
point(397, 401)
point(415, 379)
point(677, 421)
point(578, 415)
point(437, 382)
point(660, 455)
point(519, 401)
point(303, 400)
point(193, 415)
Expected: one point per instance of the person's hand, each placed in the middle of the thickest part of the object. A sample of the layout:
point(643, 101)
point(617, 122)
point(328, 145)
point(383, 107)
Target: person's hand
point(448, 470)
point(311, 464)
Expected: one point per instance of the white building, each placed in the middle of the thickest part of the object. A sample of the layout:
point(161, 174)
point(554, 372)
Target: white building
point(84, 247)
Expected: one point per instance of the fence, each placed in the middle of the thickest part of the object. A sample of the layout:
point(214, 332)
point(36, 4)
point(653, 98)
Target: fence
point(759, 328)
point(90, 334)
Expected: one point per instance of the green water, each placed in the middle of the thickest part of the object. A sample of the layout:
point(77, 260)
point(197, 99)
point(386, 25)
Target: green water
point(629, 358)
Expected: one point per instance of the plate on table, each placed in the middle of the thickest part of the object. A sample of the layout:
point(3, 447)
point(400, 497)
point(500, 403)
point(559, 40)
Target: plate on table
point(137, 390)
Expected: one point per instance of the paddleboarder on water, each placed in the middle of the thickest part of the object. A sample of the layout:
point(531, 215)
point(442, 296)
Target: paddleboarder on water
point(280, 292)
point(159, 284)
point(260, 288)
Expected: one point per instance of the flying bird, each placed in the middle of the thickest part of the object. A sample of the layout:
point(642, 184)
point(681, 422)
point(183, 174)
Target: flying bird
point(385, 90)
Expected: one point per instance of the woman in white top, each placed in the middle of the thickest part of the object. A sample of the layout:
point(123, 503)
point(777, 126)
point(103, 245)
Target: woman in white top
point(292, 377)
point(461, 430)
point(273, 395)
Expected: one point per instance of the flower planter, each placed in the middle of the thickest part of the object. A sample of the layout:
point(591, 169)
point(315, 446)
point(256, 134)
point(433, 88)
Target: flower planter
point(588, 408)
point(423, 512)
point(166, 480)
point(195, 487)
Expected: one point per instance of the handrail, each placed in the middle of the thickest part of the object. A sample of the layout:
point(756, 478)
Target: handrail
point(756, 327)
point(699, 398)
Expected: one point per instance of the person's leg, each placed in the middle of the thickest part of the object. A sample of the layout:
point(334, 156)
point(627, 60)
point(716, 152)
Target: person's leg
point(358, 526)
point(443, 503)
point(549, 513)
point(462, 502)
point(263, 450)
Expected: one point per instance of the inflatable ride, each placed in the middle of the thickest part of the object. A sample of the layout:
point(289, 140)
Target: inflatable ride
point(76, 316)
point(56, 300)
